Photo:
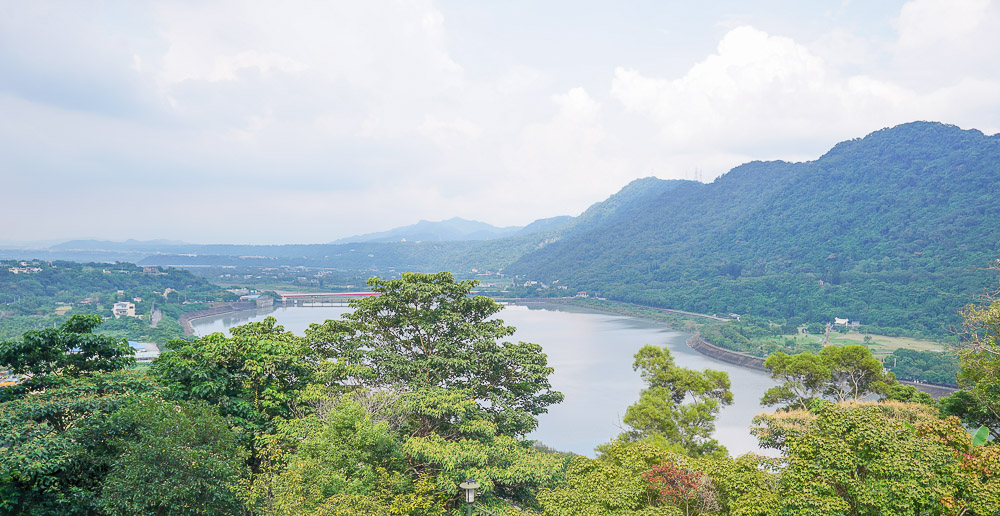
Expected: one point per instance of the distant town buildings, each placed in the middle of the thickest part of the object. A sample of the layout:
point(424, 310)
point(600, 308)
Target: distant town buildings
point(261, 301)
point(24, 270)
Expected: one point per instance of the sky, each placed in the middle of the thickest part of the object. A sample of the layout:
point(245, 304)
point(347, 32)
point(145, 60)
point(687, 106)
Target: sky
point(307, 121)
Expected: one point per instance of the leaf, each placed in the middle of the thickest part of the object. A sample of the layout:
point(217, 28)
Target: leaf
point(980, 436)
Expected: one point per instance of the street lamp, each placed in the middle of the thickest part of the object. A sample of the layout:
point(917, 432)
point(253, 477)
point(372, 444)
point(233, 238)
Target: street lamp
point(470, 487)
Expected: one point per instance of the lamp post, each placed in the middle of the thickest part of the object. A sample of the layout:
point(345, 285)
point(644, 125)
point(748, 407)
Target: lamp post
point(470, 487)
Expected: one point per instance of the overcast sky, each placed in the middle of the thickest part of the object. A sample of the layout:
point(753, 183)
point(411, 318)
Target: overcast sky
point(304, 122)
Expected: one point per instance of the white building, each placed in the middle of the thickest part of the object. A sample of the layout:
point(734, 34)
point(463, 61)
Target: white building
point(123, 308)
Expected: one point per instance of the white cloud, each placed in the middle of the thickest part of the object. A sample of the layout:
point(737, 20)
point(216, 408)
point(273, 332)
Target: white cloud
point(577, 105)
point(449, 133)
point(943, 41)
point(772, 97)
point(926, 24)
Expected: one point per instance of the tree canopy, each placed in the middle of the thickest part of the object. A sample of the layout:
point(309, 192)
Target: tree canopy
point(678, 405)
point(838, 373)
point(426, 330)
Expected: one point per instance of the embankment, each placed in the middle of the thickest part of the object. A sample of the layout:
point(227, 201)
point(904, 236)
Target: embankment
point(215, 309)
point(697, 343)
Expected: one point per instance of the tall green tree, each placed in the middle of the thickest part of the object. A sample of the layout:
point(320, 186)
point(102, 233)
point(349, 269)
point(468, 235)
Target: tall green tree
point(444, 397)
point(979, 355)
point(427, 330)
point(803, 378)
point(837, 373)
point(56, 427)
point(68, 351)
point(678, 405)
point(251, 376)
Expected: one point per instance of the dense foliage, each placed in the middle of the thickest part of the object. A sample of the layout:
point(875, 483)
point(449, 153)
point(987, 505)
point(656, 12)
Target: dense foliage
point(386, 411)
point(848, 373)
point(678, 406)
point(80, 434)
point(925, 366)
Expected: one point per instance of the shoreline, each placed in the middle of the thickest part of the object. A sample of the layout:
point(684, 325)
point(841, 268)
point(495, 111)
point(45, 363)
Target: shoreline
point(699, 344)
point(695, 342)
point(219, 309)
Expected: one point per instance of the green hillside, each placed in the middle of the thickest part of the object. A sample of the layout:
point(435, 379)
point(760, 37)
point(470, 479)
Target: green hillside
point(38, 295)
point(890, 230)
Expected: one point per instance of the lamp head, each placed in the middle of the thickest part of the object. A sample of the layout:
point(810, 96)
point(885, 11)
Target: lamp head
point(470, 487)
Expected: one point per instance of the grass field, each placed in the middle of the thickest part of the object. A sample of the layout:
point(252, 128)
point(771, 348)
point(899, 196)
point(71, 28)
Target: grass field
point(879, 344)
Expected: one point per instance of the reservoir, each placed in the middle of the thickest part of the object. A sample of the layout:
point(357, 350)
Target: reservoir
point(592, 356)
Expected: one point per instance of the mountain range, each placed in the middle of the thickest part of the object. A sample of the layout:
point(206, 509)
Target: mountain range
point(895, 229)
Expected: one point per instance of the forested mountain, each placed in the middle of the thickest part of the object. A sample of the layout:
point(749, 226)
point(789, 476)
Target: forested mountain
point(889, 229)
point(498, 254)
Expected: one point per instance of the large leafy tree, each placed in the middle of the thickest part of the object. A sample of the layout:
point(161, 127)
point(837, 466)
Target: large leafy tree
point(68, 351)
point(251, 376)
point(429, 364)
point(174, 458)
point(427, 330)
point(979, 352)
point(55, 427)
point(837, 373)
point(678, 405)
point(803, 378)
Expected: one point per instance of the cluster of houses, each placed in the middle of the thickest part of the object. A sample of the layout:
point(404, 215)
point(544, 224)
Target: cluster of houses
point(24, 269)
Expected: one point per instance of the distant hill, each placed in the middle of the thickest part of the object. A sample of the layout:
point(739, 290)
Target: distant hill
point(500, 253)
point(453, 229)
point(548, 224)
point(888, 230)
point(127, 246)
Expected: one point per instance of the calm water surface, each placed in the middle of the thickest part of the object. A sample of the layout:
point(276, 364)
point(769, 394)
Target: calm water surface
point(592, 356)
